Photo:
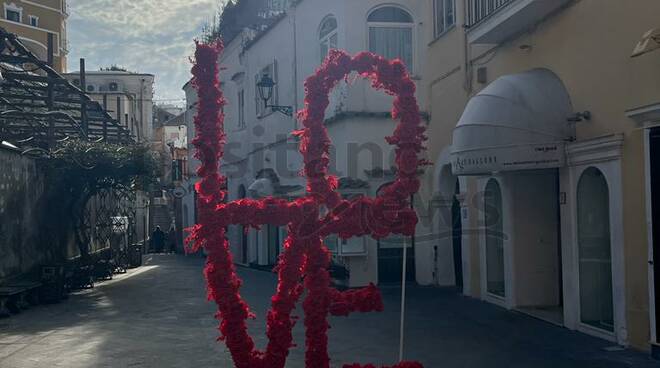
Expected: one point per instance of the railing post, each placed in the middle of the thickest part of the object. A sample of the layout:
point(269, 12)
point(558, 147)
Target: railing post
point(478, 10)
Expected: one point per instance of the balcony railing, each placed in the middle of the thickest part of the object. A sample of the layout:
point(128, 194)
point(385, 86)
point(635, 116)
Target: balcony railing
point(478, 10)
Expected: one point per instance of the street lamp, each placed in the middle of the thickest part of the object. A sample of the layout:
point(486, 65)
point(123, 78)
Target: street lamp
point(265, 87)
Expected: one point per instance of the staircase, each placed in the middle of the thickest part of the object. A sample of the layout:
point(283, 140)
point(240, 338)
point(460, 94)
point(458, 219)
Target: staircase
point(160, 216)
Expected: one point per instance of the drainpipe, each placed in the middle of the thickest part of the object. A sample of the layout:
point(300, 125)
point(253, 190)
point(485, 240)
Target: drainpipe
point(467, 85)
point(295, 69)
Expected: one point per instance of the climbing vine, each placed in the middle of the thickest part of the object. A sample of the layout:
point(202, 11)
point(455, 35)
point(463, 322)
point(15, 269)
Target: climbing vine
point(77, 170)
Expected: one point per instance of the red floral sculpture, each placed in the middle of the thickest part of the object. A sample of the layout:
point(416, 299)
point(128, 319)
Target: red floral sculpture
point(303, 265)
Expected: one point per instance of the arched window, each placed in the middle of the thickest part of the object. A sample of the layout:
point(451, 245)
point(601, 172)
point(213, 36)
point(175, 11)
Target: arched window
point(494, 239)
point(595, 268)
point(391, 34)
point(328, 36)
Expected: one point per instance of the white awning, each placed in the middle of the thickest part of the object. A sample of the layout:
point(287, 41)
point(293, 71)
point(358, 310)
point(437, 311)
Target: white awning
point(518, 122)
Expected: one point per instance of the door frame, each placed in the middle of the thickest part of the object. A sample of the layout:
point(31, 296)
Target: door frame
point(604, 154)
point(509, 287)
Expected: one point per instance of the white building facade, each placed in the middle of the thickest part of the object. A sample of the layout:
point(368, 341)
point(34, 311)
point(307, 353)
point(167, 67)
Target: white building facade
point(128, 97)
point(262, 157)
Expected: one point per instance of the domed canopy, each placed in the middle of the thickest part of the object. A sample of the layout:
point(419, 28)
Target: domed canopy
point(518, 122)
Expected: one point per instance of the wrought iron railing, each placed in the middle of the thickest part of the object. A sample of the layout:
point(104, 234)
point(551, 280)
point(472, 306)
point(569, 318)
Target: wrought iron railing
point(479, 10)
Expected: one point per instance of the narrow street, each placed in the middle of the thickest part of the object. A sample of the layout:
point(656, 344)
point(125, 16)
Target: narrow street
point(157, 316)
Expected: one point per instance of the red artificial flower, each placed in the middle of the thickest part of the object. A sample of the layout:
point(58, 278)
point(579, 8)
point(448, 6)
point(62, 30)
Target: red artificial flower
point(304, 263)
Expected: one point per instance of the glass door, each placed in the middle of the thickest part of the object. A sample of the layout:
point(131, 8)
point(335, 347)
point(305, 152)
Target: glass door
point(494, 239)
point(595, 258)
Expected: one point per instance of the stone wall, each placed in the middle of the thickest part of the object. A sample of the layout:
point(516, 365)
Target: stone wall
point(21, 198)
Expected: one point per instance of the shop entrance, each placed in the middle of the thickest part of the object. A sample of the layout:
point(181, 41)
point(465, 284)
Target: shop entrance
point(390, 257)
point(536, 244)
point(654, 161)
point(273, 244)
point(457, 238)
point(595, 255)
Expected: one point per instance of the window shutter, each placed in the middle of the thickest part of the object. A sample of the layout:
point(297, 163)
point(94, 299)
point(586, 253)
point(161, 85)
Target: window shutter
point(276, 94)
point(257, 104)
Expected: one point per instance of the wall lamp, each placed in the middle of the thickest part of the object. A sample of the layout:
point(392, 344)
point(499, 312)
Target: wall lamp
point(265, 87)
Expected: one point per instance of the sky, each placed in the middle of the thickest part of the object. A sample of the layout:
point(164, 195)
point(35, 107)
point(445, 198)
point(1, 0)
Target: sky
point(146, 36)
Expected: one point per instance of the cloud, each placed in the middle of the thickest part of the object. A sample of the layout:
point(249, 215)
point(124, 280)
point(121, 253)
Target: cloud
point(148, 36)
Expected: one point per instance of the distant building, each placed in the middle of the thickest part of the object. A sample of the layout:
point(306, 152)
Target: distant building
point(190, 174)
point(171, 143)
point(127, 96)
point(165, 113)
point(171, 138)
point(41, 26)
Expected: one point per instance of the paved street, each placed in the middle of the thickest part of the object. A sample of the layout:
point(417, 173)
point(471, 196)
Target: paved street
point(157, 316)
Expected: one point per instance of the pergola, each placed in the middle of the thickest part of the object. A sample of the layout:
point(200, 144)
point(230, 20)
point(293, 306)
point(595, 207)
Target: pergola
point(39, 107)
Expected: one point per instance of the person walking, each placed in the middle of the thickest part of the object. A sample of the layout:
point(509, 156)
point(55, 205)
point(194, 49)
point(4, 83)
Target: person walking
point(158, 240)
point(171, 240)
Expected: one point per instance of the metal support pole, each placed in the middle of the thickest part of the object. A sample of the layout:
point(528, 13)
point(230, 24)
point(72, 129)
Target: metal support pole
point(403, 299)
point(83, 99)
point(51, 49)
point(51, 121)
point(118, 112)
point(403, 288)
point(105, 122)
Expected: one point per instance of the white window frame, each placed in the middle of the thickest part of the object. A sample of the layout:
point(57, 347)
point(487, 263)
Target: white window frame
point(440, 27)
point(15, 8)
point(325, 40)
point(36, 20)
point(411, 26)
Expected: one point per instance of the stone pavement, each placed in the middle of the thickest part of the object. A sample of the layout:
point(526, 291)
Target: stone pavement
point(157, 316)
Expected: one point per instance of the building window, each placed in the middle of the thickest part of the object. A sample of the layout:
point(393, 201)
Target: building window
point(391, 34)
point(328, 36)
point(241, 109)
point(13, 13)
point(34, 21)
point(445, 15)
point(271, 71)
point(277, 5)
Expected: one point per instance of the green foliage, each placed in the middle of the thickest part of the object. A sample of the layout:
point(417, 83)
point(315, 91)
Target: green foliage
point(115, 68)
point(92, 166)
point(78, 170)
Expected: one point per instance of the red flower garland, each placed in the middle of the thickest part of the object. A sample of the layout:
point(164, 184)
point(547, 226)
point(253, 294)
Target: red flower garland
point(304, 253)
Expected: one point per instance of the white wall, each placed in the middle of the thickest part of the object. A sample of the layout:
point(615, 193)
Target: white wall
point(188, 201)
point(294, 44)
